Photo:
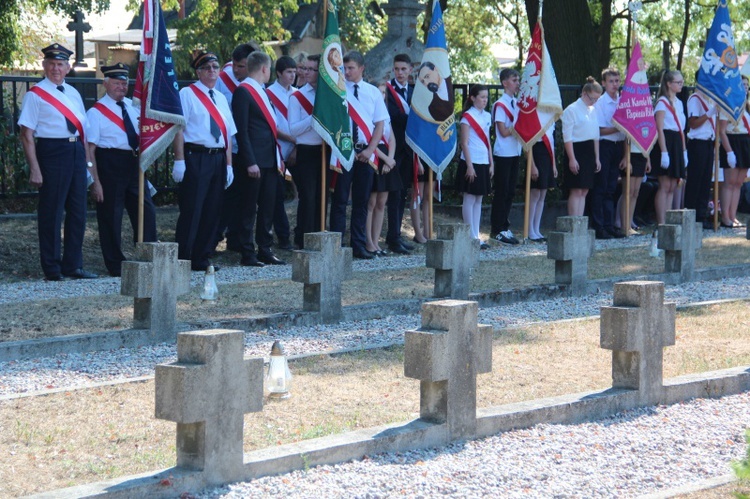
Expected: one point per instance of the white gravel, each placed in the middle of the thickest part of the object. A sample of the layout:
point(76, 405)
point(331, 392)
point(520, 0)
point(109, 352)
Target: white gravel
point(626, 455)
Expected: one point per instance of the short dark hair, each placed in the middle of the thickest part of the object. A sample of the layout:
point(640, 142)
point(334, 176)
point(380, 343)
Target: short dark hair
point(256, 60)
point(402, 58)
point(243, 50)
point(508, 73)
point(354, 56)
point(314, 57)
point(285, 62)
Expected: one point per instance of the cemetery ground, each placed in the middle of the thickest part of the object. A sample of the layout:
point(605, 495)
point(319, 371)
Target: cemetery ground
point(78, 436)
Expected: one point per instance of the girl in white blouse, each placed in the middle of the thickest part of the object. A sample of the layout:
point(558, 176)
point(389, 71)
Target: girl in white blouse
point(735, 160)
point(475, 169)
point(581, 137)
point(670, 123)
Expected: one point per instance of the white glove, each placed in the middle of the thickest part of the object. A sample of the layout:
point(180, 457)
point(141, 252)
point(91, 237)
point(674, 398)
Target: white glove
point(731, 159)
point(712, 111)
point(684, 156)
point(178, 170)
point(665, 160)
point(90, 178)
point(230, 176)
point(151, 189)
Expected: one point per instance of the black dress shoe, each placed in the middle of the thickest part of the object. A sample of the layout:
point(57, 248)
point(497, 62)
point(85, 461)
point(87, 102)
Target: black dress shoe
point(603, 234)
point(406, 245)
point(722, 224)
point(54, 278)
point(270, 259)
point(616, 233)
point(380, 253)
point(363, 255)
point(285, 245)
point(251, 261)
point(81, 274)
point(398, 248)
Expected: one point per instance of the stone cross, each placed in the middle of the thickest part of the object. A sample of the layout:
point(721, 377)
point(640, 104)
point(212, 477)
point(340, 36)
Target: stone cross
point(155, 281)
point(453, 253)
point(571, 246)
point(637, 328)
point(446, 354)
point(322, 266)
point(207, 393)
point(80, 28)
point(680, 237)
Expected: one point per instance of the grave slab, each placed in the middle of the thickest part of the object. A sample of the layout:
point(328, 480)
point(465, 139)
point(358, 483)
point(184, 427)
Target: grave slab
point(571, 245)
point(453, 254)
point(680, 237)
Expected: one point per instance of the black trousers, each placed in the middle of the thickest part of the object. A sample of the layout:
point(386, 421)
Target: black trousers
point(63, 192)
point(603, 202)
point(396, 203)
point(200, 198)
point(358, 180)
point(256, 208)
point(307, 177)
point(698, 185)
point(504, 187)
point(118, 173)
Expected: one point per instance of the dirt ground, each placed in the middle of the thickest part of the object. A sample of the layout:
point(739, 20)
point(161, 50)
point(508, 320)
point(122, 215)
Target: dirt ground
point(76, 437)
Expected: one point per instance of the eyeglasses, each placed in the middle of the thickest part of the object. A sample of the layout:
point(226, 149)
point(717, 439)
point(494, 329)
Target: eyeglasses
point(211, 67)
point(678, 82)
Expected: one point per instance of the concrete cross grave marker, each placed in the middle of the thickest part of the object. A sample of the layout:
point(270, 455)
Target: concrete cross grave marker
point(637, 328)
point(452, 254)
point(207, 393)
point(680, 237)
point(155, 281)
point(446, 354)
point(322, 266)
point(80, 27)
point(571, 246)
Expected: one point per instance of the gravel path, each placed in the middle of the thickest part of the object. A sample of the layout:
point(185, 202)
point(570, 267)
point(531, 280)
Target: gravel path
point(626, 455)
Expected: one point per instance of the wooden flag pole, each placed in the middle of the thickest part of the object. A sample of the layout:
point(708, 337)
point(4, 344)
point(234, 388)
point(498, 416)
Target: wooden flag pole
point(527, 195)
point(141, 196)
point(323, 188)
point(625, 221)
point(429, 193)
point(716, 174)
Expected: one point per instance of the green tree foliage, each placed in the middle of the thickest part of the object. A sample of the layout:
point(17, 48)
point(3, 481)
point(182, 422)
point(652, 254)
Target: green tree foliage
point(361, 25)
point(471, 29)
point(10, 31)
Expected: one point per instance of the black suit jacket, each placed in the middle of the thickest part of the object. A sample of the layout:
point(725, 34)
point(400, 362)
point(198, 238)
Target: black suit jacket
point(398, 120)
point(256, 144)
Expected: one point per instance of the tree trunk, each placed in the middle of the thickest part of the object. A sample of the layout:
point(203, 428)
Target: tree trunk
point(569, 34)
point(605, 34)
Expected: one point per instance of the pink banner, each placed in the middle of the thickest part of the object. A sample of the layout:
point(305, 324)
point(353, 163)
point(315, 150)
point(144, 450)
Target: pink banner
point(635, 111)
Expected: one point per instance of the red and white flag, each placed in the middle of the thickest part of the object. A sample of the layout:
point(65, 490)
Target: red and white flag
point(539, 101)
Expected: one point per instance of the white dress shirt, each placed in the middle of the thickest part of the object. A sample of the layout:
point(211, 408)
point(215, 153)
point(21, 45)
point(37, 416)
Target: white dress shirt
point(300, 122)
point(42, 117)
point(605, 109)
point(198, 120)
point(669, 122)
point(510, 146)
point(695, 110)
point(580, 123)
point(103, 132)
point(282, 122)
point(371, 99)
point(477, 148)
point(738, 128)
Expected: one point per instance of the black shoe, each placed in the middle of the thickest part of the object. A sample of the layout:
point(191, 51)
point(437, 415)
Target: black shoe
point(363, 255)
point(53, 278)
point(203, 268)
point(415, 240)
point(616, 233)
point(406, 245)
point(398, 248)
point(484, 246)
point(380, 253)
point(251, 261)
point(81, 274)
point(722, 224)
point(270, 259)
point(285, 245)
point(603, 234)
point(708, 225)
point(115, 273)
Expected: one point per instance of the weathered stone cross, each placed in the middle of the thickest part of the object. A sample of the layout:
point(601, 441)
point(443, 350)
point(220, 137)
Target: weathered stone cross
point(452, 254)
point(680, 237)
point(446, 354)
point(80, 28)
point(207, 392)
point(571, 246)
point(155, 282)
point(637, 328)
point(322, 267)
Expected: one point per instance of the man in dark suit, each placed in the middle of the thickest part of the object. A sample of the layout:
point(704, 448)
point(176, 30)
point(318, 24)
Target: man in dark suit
point(258, 162)
point(398, 99)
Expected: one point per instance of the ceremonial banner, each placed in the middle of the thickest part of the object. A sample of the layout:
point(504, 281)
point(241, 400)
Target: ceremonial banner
point(156, 91)
point(635, 112)
point(431, 126)
point(719, 74)
point(539, 101)
point(330, 113)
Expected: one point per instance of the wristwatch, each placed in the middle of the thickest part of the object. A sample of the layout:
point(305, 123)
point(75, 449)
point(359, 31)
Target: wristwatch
point(89, 164)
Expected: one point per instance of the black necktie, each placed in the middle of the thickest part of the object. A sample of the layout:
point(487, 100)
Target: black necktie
point(129, 128)
point(355, 130)
point(401, 91)
point(71, 127)
point(215, 130)
point(512, 103)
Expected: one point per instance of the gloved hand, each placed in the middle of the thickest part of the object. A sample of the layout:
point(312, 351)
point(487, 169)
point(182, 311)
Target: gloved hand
point(178, 170)
point(665, 160)
point(151, 189)
point(712, 111)
point(684, 156)
point(90, 178)
point(230, 176)
point(731, 159)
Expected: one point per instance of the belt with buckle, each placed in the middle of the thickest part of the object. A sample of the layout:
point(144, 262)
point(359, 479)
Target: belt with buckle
point(360, 147)
point(73, 138)
point(206, 150)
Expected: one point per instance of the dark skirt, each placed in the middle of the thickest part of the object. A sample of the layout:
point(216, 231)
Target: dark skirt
point(740, 143)
point(586, 157)
point(676, 157)
point(638, 164)
point(543, 162)
point(386, 182)
point(481, 184)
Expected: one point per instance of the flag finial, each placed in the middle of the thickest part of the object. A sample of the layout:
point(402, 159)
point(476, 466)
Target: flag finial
point(635, 8)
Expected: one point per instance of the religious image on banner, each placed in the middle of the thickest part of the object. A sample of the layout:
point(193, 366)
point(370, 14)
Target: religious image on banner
point(719, 73)
point(635, 112)
point(431, 126)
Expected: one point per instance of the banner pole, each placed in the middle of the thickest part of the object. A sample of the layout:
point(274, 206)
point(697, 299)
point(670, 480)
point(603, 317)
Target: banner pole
point(141, 196)
point(429, 193)
point(527, 195)
point(716, 174)
point(323, 188)
point(626, 219)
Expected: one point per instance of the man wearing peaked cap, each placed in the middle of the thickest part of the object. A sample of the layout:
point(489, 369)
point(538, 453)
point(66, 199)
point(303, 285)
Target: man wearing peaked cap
point(53, 122)
point(113, 145)
point(203, 162)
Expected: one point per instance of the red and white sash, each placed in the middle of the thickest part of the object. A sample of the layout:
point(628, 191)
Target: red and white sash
point(303, 101)
point(499, 104)
point(212, 110)
point(111, 115)
point(66, 111)
point(478, 130)
point(676, 120)
point(227, 78)
point(270, 116)
point(705, 109)
point(278, 104)
point(363, 121)
point(400, 101)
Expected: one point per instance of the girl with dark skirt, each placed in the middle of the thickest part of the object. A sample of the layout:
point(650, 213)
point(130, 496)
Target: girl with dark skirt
point(543, 175)
point(581, 137)
point(670, 123)
point(475, 169)
point(640, 165)
point(734, 158)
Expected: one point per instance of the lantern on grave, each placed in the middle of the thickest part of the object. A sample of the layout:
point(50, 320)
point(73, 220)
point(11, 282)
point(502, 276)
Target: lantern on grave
point(210, 291)
point(279, 378)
